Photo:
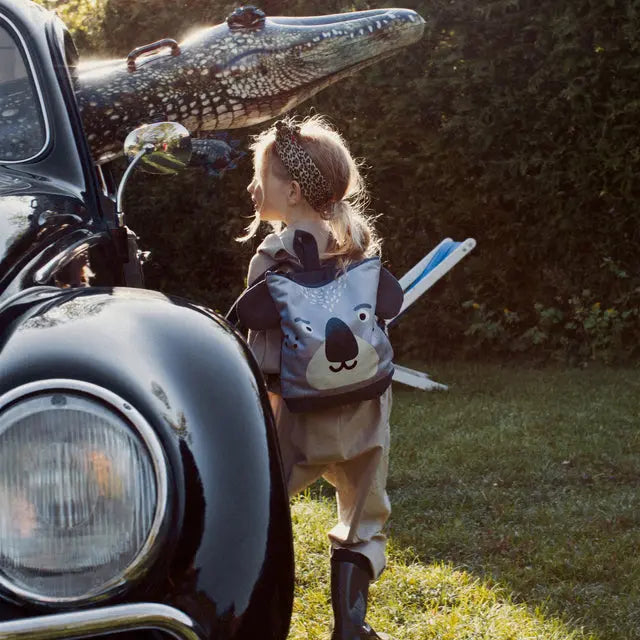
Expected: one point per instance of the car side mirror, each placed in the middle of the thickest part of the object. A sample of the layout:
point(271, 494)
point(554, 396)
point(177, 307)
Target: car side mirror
point(160, 147)
point(165, 147)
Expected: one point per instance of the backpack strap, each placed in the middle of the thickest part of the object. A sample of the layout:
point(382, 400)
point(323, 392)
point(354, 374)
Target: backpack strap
point(232, 317)
point(390, 294)
point(306, 248)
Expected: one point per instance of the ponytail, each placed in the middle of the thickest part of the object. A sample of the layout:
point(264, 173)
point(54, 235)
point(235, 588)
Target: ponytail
point(353, 236)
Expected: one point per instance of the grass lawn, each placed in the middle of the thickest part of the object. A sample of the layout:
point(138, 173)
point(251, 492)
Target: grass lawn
point(516, 511)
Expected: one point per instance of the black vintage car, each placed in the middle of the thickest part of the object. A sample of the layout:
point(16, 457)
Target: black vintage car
point(140, 484)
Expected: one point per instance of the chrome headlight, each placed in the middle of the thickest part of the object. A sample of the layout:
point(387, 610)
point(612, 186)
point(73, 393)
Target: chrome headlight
point(83, 492)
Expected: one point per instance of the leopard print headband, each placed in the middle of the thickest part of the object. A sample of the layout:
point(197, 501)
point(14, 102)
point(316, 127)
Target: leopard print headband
point(302, 168)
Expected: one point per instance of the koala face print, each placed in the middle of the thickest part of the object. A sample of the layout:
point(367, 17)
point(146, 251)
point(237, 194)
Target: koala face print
point(343, 359)
point(331, 336)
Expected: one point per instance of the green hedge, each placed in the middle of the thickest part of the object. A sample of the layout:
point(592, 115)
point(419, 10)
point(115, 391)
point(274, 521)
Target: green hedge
point(514, 122)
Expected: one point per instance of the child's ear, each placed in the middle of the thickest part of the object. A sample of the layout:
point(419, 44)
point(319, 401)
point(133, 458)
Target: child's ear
point(294, 194)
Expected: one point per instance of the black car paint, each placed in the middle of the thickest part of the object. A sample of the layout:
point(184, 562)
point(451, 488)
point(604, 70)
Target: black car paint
point(226, 558)
point(45, 202)
point(227, 554)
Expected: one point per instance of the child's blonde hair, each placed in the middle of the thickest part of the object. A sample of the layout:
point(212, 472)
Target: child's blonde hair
point(353, 235)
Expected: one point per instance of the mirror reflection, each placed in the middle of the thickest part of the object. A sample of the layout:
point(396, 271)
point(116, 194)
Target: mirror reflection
point(171, 147)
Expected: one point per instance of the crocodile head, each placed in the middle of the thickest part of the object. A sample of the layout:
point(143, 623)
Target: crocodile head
point(242, 72)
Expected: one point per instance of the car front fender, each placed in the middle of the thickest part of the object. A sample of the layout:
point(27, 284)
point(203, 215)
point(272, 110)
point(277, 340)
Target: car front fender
point(227, 558)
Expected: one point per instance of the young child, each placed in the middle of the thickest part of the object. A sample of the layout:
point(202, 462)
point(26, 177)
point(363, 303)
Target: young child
point(305, 179)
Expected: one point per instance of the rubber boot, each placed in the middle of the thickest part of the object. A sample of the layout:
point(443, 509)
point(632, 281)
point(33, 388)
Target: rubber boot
point(350, 577)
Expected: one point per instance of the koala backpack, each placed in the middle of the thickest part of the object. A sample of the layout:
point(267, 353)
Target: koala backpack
point(334, 346)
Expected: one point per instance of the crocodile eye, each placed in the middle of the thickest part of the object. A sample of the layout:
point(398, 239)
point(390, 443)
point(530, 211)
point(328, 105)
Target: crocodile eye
point(246, 18)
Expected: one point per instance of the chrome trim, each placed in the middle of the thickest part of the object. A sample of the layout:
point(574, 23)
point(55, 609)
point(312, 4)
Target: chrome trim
point(103, 184)
point(31, 291)
point(34, 76)
point(146, 554)
point(46, 272)
point(146, 149)
point(97, 622)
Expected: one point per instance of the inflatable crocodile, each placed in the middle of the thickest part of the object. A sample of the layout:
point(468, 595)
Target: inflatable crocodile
point(236, 74)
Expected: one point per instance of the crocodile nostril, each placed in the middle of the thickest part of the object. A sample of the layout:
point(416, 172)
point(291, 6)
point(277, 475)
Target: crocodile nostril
point(340, 343)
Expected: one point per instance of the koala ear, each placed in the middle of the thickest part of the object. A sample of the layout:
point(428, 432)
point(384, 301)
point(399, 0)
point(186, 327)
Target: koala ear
point(390, 296)
point(256, 309)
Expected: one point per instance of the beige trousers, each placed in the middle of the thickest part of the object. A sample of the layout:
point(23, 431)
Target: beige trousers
point(349, 447)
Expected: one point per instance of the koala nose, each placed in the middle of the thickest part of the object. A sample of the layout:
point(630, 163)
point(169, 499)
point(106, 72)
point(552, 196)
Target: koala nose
point(340, 343)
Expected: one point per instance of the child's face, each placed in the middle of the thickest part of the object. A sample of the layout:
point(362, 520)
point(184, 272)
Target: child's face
point(268, 193)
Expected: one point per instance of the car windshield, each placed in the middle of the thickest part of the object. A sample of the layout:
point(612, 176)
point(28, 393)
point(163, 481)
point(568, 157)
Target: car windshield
point(22, 129)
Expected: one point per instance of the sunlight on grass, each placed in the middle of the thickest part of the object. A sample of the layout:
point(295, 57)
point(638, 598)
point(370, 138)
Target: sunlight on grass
point(516, 510)
point(411, 600)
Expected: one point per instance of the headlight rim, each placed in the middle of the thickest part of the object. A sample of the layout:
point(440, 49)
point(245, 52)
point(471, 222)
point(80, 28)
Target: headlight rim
point(145, 557)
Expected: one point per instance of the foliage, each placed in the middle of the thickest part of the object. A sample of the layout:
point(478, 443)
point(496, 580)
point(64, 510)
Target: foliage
point(512, 121)
point(84, 18)
point(577, 329)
